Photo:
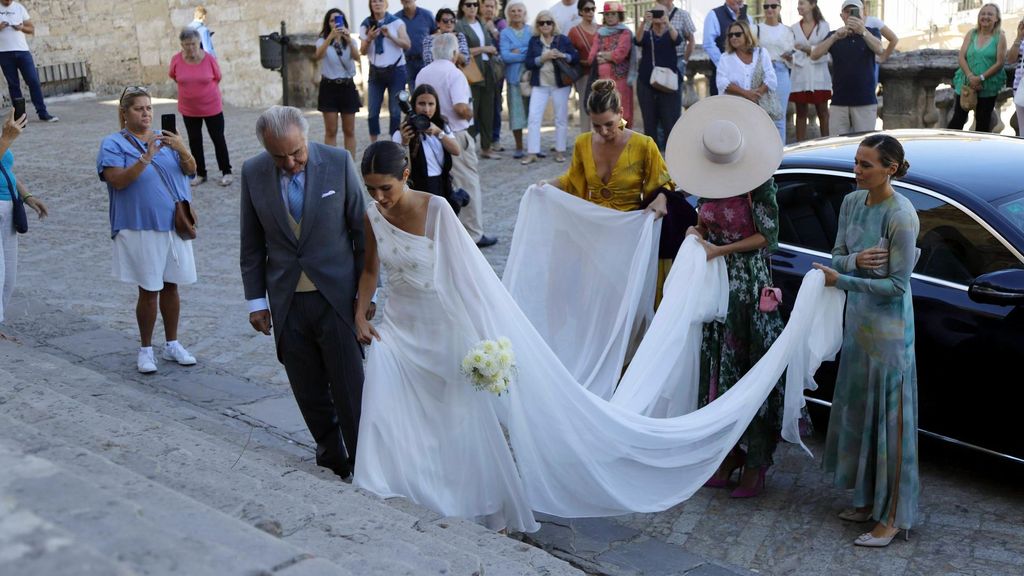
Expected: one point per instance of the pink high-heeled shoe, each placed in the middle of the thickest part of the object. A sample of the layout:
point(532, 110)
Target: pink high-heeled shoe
point(751, 492)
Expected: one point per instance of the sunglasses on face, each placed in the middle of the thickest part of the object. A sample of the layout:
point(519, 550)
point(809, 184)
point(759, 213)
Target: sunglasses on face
point(735, 34)
point(545, 23)
point(470, 4)
point(770, 6)
point(587, 9)
point(447, 20)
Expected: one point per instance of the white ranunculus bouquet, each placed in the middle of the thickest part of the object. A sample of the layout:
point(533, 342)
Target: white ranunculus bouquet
point(490, 365)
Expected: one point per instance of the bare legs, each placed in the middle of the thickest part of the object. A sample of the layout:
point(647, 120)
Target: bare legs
point(169, 305)
point(518, 135)
point(801, 119)
point(348, 129)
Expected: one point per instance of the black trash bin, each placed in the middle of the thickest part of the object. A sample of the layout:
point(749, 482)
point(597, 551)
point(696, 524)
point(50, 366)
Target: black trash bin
point(271, 51)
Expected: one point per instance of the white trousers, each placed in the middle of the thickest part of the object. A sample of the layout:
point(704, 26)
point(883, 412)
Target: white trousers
point(538, 102)
point(465, 176)
point(8, 255)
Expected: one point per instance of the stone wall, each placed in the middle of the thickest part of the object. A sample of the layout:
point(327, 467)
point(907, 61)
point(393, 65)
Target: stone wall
point(128, 42)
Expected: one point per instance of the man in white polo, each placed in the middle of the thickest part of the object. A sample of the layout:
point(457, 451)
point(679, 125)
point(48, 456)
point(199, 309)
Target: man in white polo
point(456, 102)
point(15, 56)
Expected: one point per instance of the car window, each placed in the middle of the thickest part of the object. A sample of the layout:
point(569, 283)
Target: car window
point(954, 247)
point(809, 209)
point(1014, 211)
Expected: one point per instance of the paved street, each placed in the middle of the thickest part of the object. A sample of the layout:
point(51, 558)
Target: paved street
point(68, 304)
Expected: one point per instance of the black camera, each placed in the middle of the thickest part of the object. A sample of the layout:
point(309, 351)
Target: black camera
point(419, 122)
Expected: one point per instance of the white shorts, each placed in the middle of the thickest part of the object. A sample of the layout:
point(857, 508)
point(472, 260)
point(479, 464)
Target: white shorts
point(148, 259)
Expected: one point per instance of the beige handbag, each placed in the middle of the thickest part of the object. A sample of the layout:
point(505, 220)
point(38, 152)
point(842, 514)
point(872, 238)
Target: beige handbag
point(968, 97)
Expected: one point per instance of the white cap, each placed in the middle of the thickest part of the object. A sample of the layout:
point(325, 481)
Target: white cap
point(856, 3)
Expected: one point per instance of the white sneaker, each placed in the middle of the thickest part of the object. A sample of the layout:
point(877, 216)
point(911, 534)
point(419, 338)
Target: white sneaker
point(174, 351)
point(226, 180)
point(147, 362)
point(197, 180)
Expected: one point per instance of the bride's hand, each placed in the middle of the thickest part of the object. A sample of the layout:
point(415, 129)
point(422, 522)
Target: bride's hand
point(365, 332)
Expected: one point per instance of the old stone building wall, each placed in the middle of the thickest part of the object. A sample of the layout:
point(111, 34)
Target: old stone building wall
point(128, 42)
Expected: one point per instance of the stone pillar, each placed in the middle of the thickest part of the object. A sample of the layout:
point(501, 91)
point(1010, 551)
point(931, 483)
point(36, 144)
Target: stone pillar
point(909, 80)
point(303, 70)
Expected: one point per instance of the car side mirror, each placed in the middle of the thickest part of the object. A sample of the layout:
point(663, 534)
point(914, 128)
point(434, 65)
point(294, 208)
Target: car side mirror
point(1002, 288)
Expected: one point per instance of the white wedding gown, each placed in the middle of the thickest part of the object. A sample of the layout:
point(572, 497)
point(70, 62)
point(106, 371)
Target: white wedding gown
point(428, 435)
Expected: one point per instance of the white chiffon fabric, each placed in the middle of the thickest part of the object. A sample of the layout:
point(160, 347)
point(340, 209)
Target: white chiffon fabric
point(426, 434)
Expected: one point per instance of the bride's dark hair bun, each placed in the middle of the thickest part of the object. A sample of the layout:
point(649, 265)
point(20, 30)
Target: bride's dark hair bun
point(603, 97)
point(385, 157)
point(902, 170)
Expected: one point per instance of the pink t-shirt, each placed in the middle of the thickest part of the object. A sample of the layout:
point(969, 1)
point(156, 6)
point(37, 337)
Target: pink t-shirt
point(198, 86)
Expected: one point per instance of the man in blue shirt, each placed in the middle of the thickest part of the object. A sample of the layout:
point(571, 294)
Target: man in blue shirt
point(419, 24)
point(853, 47)
point(205, 35)
point(715, 25)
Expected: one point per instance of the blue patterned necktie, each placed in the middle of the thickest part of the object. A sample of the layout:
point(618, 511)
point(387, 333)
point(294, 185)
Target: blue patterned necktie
point(295, 197)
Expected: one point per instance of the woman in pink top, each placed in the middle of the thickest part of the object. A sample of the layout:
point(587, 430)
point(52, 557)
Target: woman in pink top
point(198, 78)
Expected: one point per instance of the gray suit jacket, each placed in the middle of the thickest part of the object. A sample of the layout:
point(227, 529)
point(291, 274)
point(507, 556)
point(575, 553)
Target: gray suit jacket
point(330, 249)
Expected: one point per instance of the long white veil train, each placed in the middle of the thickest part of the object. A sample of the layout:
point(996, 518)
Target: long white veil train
point(577, 453)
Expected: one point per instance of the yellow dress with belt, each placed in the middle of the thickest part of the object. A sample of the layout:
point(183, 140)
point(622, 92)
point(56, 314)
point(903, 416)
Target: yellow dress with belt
point(639, 172)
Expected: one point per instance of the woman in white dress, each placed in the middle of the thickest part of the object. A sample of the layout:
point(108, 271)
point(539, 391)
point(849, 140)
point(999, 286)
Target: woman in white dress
point(454, 458)
point(811, 82)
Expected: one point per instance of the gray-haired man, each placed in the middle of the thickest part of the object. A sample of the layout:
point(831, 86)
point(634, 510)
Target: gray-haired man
point(302, 244)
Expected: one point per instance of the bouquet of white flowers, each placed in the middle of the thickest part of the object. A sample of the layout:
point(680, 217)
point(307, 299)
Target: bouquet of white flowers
point(490, 365)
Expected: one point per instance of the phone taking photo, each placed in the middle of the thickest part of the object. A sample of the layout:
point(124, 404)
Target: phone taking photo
point(339, 21)
point(855, 12)
point(657, 13)
point(19, 107)
point(168, 123)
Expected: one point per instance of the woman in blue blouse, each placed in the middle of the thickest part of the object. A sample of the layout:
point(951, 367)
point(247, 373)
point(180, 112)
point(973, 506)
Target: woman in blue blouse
point(657, 41)
point(515, 41)
point(547, 47)
point(10, 189)
point(146, 173)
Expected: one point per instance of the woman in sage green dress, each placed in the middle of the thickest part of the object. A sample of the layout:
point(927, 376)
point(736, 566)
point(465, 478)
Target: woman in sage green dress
point(871, 446)
point(744, 229)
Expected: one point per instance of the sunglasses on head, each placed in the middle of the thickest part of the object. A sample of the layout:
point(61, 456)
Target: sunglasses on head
point(770, 6)
point(735, 34)
point(545, 23)
point(133, 91)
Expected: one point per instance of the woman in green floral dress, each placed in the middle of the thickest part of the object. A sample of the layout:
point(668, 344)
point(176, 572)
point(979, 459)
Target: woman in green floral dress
point(871, 445)
point(743, 229)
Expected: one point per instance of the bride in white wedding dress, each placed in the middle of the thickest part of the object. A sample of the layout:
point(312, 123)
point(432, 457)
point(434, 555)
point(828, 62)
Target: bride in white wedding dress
point(426, 434)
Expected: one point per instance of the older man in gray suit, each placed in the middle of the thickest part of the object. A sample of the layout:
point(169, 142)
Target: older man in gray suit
point(302, 245)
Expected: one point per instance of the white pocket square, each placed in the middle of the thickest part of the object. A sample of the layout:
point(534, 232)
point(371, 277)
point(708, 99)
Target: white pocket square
point(328, 193)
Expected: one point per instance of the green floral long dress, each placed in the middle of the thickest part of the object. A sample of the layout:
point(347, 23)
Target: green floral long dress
point(871, 444)
point(730, 348)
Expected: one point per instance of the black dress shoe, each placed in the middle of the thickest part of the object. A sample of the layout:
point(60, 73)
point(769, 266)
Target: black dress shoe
point(486, 241)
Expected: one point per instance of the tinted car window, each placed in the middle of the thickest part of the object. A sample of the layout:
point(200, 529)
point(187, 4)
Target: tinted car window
point(1013, 209)
point(809, 209)
point(954, 247)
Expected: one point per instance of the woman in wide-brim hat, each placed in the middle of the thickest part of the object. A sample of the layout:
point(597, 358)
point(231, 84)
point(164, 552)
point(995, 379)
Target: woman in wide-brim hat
point(724, 150)
point(609, 55)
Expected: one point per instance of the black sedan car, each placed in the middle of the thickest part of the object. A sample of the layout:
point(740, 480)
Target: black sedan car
point(968, 285)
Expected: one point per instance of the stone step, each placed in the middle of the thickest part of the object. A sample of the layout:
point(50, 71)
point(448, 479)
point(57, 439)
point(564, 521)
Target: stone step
point(125, 521)
point(192, 451)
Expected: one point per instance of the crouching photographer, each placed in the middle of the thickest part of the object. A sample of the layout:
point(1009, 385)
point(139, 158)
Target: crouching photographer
point(431, 145)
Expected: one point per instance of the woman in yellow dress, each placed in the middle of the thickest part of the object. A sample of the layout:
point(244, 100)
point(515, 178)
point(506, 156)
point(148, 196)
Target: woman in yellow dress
point(618, 168)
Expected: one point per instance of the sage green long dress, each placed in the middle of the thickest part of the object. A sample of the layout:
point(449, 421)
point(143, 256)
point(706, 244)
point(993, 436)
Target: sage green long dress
point(871, 444)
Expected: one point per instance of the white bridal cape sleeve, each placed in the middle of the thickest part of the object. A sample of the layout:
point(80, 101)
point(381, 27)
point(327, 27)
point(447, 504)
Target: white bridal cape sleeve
point(578, 454)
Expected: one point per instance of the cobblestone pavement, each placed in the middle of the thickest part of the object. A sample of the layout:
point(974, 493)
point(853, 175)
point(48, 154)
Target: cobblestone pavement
point(972, 509)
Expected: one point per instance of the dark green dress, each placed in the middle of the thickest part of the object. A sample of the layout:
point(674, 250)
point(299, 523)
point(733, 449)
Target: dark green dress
point(730, 348)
